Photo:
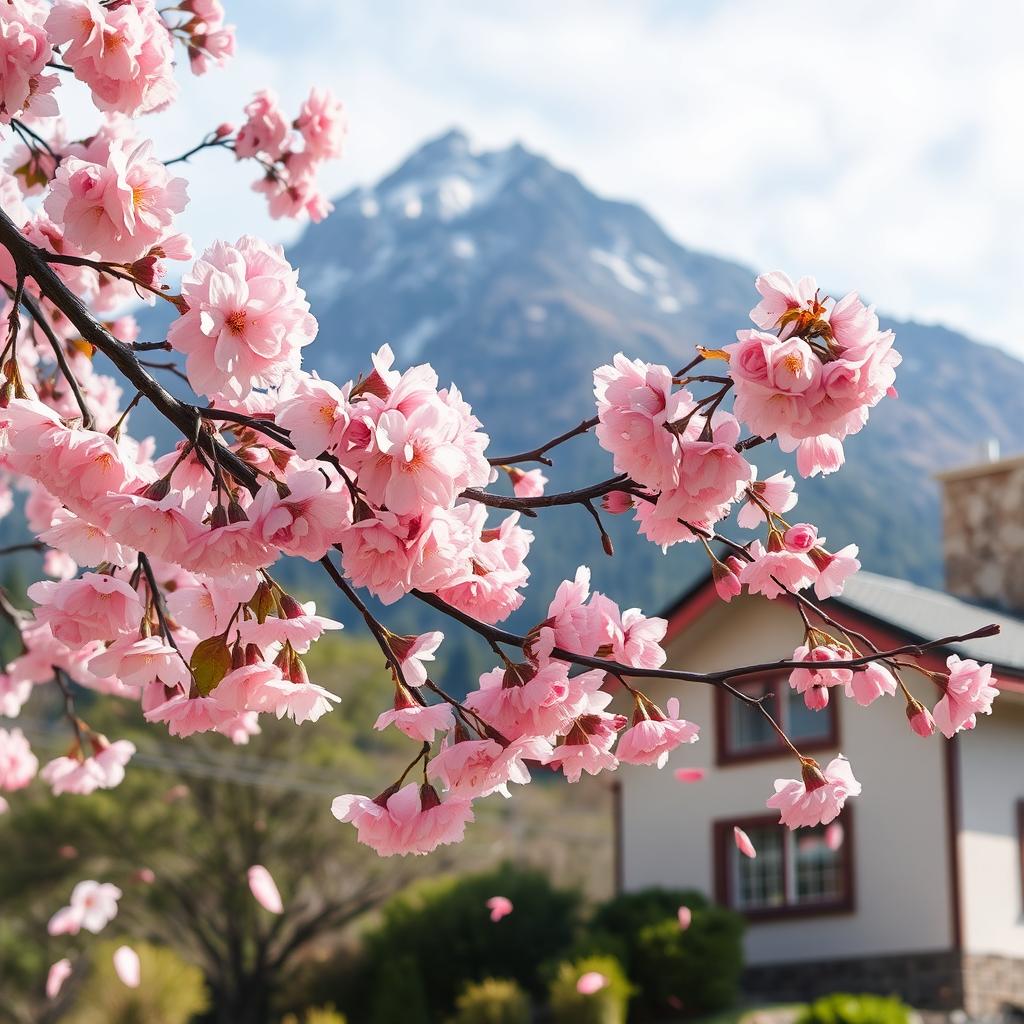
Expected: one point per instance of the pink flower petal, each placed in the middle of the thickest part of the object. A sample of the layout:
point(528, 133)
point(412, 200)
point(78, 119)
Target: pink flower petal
point(685, 916)
point(55, 978)
point(126, 964)
point(591, 982)
point(499, 906)
point(743, 843)
point(834, 836)
point(264, 889)
point(689, 774)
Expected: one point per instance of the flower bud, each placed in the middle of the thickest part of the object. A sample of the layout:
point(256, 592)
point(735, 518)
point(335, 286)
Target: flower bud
point(816, 697)
point(800, 538)
point(616, 502)
point(920, 718)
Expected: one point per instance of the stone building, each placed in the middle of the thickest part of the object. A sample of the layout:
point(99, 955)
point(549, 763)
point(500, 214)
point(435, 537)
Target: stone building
point(921, 890)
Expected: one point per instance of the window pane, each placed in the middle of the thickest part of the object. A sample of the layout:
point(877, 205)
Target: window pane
point(748, 728)
point(804, 724)
point(760, 883)
point(818, 869)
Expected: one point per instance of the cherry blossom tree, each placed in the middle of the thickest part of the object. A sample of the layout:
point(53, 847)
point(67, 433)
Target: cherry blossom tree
point(161, 563)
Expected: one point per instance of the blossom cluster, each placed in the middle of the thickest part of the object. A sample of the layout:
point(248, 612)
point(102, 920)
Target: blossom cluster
point(534, 710)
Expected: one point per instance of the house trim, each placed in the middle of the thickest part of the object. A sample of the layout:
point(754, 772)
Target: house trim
point(723, 842)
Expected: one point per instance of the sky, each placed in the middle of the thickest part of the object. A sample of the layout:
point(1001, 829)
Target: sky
point(876, 145)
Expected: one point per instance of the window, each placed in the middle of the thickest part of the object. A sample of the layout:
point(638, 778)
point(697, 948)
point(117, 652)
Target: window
point(806, 871)
point(743, 733)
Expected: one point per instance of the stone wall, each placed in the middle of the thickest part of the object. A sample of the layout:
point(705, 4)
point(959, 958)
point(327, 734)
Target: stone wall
point(983, 532)
point(927, 981)
point(992, 984)
point(987, 987)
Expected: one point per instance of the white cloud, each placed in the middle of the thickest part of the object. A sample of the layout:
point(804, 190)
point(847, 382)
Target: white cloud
point(876, 145)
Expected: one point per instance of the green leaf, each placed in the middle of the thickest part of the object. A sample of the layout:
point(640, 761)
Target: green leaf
point(211, 662)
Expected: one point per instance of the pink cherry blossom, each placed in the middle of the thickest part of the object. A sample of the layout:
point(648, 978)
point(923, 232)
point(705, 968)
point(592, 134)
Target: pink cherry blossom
point(412, 819)
point(300, 700)
point(122, 52)
point(265, 130)
point(18, 765)
point(587, 745)
point(93, 905)
point(776, 492)
point(819, 674)
point(415, 720)
point(127, 966)
point(58, 973)
point(317, 413)
point(653, 735)
point(24, 52)
point(94, 606)
point(869, 683)
point(775, 572)
point(780, 296)
point(13, 695)
point(470, 768)
point(818, 797)
point(743, 843)
point(632, 409)
point(264, 889)
point(247, 319)
point(118, 210)
point(187, 715)
point(833, 570)
point(527, 483)
point(969, 691)
point(321, 122)
point(590, 982)
point(137, 661)
point(413, 651)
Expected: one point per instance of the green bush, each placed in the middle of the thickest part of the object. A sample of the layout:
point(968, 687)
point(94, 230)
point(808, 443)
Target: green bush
point(626, 915)
point(316, 1015)
point(171, 992)
point(398, 993)
point(492, 1001)
point(444, 929)
point(843, 1008)
point(606, 1006)
point(699, 967)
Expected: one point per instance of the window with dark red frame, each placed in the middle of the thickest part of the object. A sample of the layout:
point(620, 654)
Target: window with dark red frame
point(802, 872)
point(744, 734)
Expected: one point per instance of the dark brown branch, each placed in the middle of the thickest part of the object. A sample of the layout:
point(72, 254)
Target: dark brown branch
point(539, 454)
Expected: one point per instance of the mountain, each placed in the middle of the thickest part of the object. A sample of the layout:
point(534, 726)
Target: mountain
point(515, 281)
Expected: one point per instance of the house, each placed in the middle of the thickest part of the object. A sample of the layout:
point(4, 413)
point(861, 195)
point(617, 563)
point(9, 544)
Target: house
point(921, 890)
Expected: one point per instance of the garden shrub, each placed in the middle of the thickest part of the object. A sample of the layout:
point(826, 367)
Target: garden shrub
point(843, 1008)
point(606, 1006)
point(172, 991)
point(698, 968)
point(316, 1015)
point(492, 1001)
point(444, 928)
point(398, 993)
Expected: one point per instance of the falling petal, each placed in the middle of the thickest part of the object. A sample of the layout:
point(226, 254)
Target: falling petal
point(834, 836)
point(743, 843)
point(591, 982)
point(689, 774)
point(58, 974)
point(264, 889)
point(126, 964)
point(685, 916)
point(499, 906)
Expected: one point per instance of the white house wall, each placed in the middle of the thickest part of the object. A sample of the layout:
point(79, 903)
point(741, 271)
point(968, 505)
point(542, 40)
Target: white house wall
point(901, 872)
point(992, 781)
